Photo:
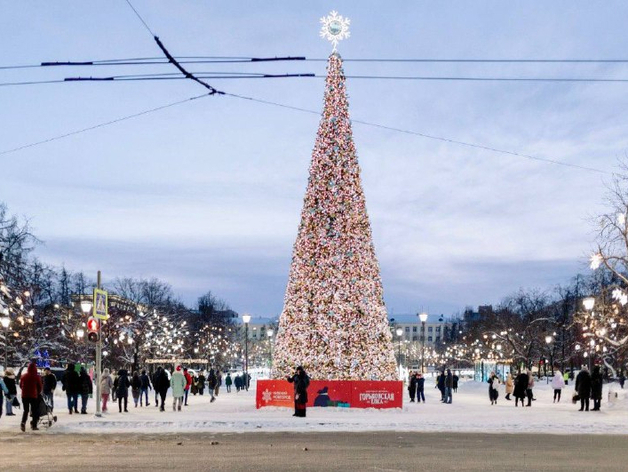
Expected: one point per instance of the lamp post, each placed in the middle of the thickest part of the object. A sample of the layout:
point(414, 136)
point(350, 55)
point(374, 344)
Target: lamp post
point(588, 304)
point(6, 321)
point(423, 318)
point(246, 319)
point(548, 341)
point(399, 333)
point(269, 333)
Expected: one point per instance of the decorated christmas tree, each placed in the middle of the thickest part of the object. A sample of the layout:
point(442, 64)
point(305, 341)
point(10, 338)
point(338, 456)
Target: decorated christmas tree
point(334, 321)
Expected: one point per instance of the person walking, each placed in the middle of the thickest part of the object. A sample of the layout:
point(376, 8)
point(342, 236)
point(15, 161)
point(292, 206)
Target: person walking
point(201, 383)
point(122, 385)
point(177, 382)
point(31, 386)
point(529, 392)
point(218, 382)
point(596, 388)
point(211, 384)
point(449, 386)
point(412, 387)
point(622, 380)
point(71, 383)
point(161, 384)
point(521, 388)
point(583, 387)
point(50, 384)
point(228, 382)
point(86, 389)
point(455, 383)
point(301, 382)
point(106, 387)
point(136, 388)
point(420, 386)
point(510, 387)
point(155, 379)
point(493, 385)
point(558, 383)
point(3, 391)
point(11, 385)
point(144, 387)
point(238, 383)
point(188, 385)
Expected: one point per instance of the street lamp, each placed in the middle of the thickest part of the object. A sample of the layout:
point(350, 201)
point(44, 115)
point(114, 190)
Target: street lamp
point(246, 319)
point(6, 321)
point(423, 318)
point(86, 306)
point(589, 303)
point(399, 333)
point(269, 333)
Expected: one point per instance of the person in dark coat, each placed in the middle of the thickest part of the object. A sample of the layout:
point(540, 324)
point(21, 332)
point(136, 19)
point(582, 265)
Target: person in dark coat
point(144, 388)
point(455, 383)
point(238, 383)
point(596, 388)
point(161, 384)
point(583, 387)
point(86, 389)
point(301, 382)
point(493, 383)
point(201, 383)
point(449, 386)
point(228, 382)
point(11, 385)
point(31, 386)
point(121, 385)
point(440, 384)
point(212, 381)
point(155, 379)
point(72, 387)
point(50, 384)
point(412, 386)
point(420, 385)
point(136, 387)
point(521, 387)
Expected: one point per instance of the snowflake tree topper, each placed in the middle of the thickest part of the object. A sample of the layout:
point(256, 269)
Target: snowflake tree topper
point(335, 28)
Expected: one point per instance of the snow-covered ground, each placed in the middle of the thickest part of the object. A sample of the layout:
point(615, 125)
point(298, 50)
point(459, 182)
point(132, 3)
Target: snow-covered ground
point(470, 411)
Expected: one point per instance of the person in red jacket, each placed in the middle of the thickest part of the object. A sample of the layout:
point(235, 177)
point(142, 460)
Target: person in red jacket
point(31, 386)
point(188, 384)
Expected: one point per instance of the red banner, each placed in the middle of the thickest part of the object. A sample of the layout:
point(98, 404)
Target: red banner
point(338, 393)
point(377, 394)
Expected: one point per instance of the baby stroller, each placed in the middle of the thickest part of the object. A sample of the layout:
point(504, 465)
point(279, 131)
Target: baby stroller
point(46, 418)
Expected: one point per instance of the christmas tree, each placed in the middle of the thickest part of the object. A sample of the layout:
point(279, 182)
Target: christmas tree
point(334, 321)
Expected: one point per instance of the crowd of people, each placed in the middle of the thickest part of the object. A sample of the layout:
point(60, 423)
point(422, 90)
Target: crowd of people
point(76, 382)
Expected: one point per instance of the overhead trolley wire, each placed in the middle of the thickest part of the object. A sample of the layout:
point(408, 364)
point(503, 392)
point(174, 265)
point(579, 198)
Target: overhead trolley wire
point(429, 136)
point(101, 125)
point(245, 59)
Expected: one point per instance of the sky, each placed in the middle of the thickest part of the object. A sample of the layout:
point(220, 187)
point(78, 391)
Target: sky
point(206, 195)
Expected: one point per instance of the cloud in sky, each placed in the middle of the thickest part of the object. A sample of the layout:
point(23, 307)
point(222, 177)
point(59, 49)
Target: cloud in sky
point(207, 195)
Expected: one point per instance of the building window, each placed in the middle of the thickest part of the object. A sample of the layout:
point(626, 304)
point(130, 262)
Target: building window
point(414, 329)
point(437, 339)
point(429, 338)
point(407, 329)
point(414, 338)
point(438, 329)
point(429, 330)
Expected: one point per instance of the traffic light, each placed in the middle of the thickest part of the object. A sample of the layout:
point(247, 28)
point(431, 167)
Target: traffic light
point(93, 329)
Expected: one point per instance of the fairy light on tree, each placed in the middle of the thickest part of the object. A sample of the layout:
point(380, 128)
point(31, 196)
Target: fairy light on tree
point(334, 320)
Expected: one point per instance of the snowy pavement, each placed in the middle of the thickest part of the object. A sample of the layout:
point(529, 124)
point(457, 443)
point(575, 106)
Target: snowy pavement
point(470, 411)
